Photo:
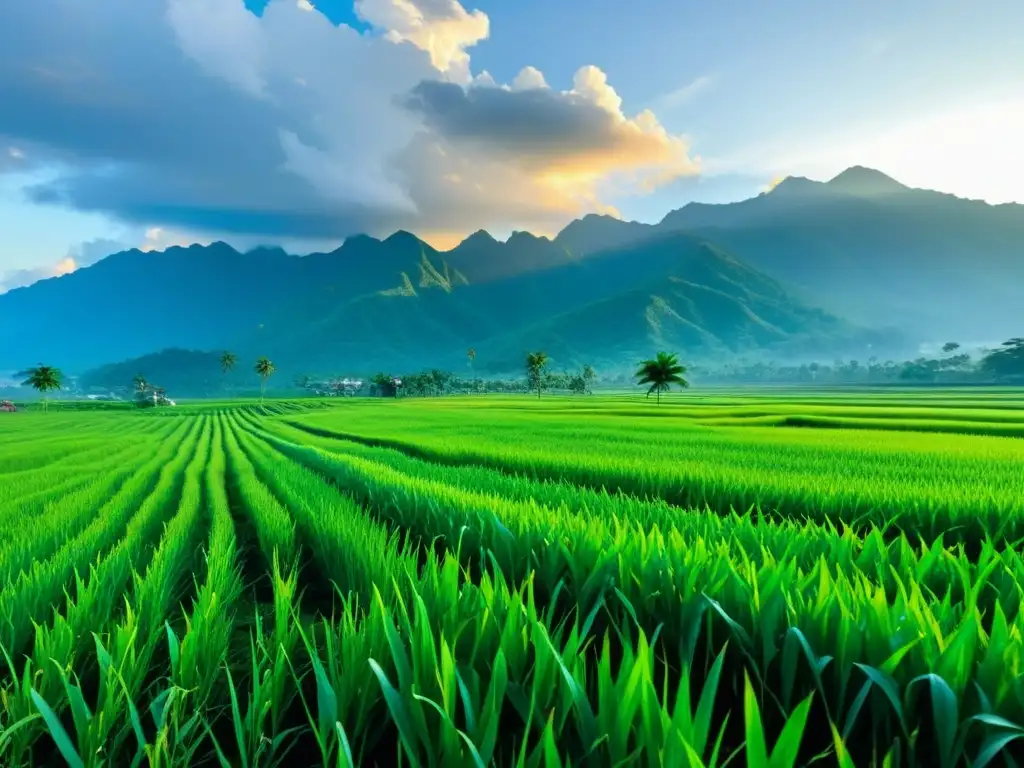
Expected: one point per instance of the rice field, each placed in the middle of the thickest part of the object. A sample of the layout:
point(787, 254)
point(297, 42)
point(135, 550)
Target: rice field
point(769, 580)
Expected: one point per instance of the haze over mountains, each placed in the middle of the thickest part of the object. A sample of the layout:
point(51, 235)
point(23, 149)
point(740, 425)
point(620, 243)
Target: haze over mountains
point(807, 270)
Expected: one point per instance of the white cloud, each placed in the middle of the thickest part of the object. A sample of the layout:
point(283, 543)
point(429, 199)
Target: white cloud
point(442, 28)
point(528, 78)
point(198, 116)
point(224, 36)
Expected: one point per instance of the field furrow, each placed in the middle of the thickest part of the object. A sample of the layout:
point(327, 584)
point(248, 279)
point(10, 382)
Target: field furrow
point(973, 495)
point(666, 574)
point(347, 550)
point(206, 636)
point(508, 581)
point(22, 493)
point(112, 536)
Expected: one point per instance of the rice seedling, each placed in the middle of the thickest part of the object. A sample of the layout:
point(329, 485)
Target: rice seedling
point(502, 583)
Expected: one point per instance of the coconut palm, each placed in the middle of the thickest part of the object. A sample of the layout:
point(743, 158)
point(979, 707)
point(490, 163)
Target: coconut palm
point(264, 369)
point(471, 354)
point(536, 362)
point(227, 364)
point(43, 379)
point(661, 373)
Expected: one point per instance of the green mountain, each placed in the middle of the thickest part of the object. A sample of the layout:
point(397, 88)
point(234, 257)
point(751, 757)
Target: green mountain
point(770, 275)
point(866, 247)
point(669, 292)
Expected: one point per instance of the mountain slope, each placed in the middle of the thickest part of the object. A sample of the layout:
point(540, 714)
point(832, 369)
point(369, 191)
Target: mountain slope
point(672, 290)
point(132, 303)
point(707, 278)
point(866, 246)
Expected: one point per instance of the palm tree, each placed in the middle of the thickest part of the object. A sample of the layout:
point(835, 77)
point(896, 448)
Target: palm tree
point(227, 364)
point(661, 373)
point(265, 369)
point(471, 354)
point(536, 362)
point(43, 379)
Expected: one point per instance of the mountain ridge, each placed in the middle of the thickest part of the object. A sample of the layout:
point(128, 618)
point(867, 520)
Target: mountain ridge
point(861, 245)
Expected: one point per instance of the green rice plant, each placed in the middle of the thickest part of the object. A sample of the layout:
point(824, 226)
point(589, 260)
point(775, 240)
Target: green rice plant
point(133, 640)
point(517, 584)
point(447, 685)
point(274, 526)
point(39, 587)
point(349, 550)
point(42, 446)
point(32, 529)
point(57, 645)
point(202, 649)
point(258, 710)
point(759, 601)
point(924, 484)
point(16, 485)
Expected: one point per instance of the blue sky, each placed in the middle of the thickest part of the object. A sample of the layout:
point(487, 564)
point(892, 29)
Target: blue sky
point(193, 120)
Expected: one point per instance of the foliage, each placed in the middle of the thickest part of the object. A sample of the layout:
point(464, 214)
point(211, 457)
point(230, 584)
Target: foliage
point(954, 367)
point(450, 583)
point(228, 361)
point(187, 373)
point(43, 379)
point(661, 373)
point(536, 364)
point(149, 395)
point(1007, 361)
point(264, 369)
point(383, 384)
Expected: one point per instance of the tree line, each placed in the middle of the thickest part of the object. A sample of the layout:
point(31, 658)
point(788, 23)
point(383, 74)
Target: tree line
point(658, 374)
point(950, 366)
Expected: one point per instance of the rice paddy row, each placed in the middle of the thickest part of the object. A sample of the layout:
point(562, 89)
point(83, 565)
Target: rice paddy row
point(254, 587)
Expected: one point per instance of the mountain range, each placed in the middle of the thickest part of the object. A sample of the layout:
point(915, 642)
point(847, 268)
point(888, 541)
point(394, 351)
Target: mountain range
point(858, 265)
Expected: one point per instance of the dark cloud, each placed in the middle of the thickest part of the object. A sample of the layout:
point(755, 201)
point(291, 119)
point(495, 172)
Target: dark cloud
point(537, 121)
point(198, 115)
point(144, 133)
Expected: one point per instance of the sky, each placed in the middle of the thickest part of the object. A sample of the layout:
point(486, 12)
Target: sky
point(130, 124)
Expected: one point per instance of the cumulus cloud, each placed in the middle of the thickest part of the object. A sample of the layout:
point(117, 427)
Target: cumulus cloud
point(199, 116)
point(442, 28)
point(528, 78)
point(532, 143)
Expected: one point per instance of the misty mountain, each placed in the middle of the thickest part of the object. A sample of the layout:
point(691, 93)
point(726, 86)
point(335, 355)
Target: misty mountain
point(770, 274)
point(672, 291)
point(864, 246)
point(399, 304)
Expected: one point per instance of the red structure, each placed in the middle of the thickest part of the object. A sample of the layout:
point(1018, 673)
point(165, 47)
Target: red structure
point(8, 406)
